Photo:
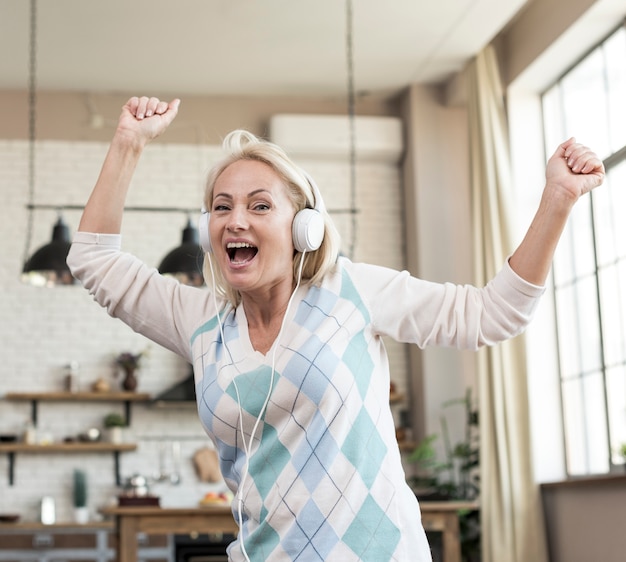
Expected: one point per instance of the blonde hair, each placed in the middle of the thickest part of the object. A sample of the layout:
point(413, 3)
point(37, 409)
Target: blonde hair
point(243, 145)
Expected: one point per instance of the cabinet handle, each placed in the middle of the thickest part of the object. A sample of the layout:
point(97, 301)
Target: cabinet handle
point(43, 540)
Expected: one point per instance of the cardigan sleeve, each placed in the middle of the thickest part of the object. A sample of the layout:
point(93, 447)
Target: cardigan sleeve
point(160, 308)
point(412, 310)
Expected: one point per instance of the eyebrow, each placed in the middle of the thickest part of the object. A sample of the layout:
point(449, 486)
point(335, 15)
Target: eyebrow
point(250, 195)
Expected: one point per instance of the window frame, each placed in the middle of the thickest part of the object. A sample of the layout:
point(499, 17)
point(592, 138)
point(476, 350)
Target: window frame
point(581, 377)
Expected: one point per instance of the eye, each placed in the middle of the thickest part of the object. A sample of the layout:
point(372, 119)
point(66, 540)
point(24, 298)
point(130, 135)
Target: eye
point(261, 207)
point(220, 207)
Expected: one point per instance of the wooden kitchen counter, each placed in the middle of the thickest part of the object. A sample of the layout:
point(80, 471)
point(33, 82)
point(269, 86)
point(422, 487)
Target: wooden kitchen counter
point(436, 516)
point(159, 520)
point(443, 517)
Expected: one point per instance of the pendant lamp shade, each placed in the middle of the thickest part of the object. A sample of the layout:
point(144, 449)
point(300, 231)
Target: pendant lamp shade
point(47, 266)
point(185, 262)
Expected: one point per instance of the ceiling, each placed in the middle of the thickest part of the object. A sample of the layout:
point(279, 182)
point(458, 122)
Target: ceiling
point(243, 47)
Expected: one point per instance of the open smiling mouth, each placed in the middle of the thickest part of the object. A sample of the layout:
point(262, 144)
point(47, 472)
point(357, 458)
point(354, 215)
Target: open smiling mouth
point(241, 252)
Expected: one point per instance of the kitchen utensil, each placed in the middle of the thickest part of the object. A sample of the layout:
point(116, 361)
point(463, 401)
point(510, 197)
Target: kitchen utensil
point(136, 486)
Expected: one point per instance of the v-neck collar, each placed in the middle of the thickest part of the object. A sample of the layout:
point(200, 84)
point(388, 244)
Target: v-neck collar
point(244, 334)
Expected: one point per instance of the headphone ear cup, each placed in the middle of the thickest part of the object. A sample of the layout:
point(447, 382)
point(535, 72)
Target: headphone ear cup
point(203, 232)
point(307, 230)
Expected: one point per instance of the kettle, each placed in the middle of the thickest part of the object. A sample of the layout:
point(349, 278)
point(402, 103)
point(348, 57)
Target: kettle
point(136, 486)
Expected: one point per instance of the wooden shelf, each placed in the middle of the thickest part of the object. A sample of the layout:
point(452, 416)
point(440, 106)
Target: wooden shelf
point(78, 396)
point(127, 398)
point(54, 448)
point(35, 397)
point(95, 447)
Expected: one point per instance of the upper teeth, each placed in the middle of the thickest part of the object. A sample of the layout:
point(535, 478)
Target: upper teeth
point(239, 245)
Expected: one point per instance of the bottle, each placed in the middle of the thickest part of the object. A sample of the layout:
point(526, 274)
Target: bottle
point(30, 433)
point(72, 382)
point(48, 516)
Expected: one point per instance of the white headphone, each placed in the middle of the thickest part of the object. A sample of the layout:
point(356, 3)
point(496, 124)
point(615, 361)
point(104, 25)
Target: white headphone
point(307, 229)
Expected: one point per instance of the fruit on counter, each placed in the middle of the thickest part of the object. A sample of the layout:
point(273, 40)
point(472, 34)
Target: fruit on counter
point(216, 498)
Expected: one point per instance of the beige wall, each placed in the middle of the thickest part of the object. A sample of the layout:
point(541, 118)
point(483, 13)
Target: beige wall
point(92, 116)
point(438, 239)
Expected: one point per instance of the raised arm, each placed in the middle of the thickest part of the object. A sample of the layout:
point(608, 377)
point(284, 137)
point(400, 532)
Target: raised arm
point(572, 171)
point(142, 120)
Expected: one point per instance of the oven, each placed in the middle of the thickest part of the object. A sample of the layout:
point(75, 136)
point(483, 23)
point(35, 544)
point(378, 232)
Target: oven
point(202, 547)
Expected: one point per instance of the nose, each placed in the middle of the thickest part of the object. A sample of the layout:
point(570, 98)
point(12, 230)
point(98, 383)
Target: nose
point(237, 220)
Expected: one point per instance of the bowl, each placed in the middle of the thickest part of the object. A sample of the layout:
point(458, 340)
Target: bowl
point(8, 438)
point(92, 435)
point(9, 517)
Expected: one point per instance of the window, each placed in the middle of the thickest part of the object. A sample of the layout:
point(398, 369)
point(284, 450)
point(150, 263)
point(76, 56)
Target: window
point(589, 270)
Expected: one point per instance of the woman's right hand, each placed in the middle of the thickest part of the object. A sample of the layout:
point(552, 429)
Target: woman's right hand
point(144, 118)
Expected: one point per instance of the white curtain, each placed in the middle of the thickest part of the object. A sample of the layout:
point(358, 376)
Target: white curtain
point(511, 515)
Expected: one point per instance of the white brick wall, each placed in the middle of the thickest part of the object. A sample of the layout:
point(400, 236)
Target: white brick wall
point(43, 329)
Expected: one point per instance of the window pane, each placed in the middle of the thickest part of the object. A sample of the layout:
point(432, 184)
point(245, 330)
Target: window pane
point(553, 117)
point(585, 87)
point(609, 205)
point(615, 54)
point(616, 397)
point(578, 327)
point(574, 426)
point(586, 437)
point(597, 431)
point(611, 280)
point(576, 257)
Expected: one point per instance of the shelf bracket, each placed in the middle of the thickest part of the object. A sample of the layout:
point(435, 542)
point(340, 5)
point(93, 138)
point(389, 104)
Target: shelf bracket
point(11, 456)
point(33, 411)
point(127, 410)
point(116, 458)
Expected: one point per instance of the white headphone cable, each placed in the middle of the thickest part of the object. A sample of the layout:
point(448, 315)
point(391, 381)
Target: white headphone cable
point(248, 446)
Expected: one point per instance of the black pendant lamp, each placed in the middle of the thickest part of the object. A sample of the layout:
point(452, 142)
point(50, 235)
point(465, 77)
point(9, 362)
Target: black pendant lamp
point(185, 262)
point(46, 267)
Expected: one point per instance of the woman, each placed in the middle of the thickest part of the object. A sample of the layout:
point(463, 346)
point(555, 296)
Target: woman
point(291, 374)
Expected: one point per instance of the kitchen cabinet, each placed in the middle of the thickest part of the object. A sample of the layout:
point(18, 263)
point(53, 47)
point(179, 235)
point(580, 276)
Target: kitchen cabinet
point(43, 543)
point(132, 522)
point(94, 542)
point(127, 398)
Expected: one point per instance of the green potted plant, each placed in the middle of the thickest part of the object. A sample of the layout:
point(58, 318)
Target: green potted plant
point(81, 512)
point(457, 478)
point(114, 424)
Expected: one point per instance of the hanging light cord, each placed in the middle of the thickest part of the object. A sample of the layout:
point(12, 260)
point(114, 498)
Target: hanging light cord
point(351, 123)
point(32, 105)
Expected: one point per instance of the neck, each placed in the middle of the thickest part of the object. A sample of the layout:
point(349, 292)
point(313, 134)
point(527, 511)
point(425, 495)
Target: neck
point(262, 311)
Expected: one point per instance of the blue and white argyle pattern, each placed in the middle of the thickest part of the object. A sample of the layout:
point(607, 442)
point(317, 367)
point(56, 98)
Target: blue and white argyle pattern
point(324, 470)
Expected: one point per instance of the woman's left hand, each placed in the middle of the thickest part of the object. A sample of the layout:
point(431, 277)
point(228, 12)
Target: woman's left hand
point(574, 170)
